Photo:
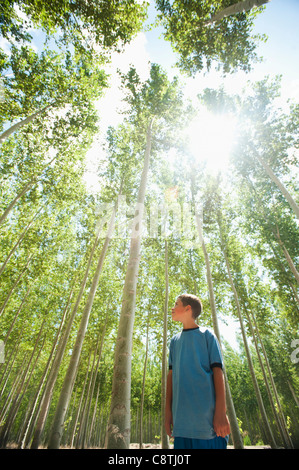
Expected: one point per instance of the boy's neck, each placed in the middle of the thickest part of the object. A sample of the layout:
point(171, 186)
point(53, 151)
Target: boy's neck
point(189, 324)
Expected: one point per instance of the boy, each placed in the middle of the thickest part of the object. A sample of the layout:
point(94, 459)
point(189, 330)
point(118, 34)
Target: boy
point(195, 395)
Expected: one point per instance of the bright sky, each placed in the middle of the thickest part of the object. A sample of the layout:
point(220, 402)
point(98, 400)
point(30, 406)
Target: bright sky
point(281, 56)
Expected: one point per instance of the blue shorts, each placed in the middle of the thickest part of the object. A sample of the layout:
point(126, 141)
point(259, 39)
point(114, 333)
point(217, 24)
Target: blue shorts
point(187, 443)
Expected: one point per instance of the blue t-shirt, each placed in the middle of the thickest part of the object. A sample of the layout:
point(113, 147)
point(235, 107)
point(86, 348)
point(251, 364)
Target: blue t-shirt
point(192, 355)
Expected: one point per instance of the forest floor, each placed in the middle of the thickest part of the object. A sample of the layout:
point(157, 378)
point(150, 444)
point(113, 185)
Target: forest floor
point(158, 446)
point(145, 446)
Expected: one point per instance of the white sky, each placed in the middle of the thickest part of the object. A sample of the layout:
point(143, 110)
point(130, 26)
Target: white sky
point(281, 56)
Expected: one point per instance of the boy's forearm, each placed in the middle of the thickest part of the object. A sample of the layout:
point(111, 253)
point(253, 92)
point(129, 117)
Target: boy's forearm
point(220, 403)
point(220, 422)
point(168, 405)
point(168, 392)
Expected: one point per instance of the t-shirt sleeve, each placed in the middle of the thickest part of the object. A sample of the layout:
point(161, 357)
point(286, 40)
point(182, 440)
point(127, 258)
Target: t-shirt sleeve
point(214, 350)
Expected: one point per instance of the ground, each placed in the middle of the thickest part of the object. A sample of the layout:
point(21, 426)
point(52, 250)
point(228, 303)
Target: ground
point(158, 446)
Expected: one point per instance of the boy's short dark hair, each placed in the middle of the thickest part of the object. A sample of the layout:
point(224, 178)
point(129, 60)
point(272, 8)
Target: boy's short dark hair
point(193, 301)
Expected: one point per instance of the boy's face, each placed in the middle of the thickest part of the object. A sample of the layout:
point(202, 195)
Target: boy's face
point(179, 312)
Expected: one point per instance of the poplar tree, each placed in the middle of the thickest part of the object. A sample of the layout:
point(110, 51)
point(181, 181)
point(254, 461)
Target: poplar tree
point(204, 33)
point(156, 105)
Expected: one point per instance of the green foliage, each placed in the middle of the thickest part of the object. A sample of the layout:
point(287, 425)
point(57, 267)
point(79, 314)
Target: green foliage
point(227, 43)
point(107, 23)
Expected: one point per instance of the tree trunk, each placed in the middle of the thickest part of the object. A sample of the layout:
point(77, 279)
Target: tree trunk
point(23, 191)
point(46, 399)
point(293, 393)
point(18, 312)
point(143, 385)
point(277, 236)
point(283, 421)
point(88, 433)
point(267, 385)
point(12, 391)
point(7, 367)
point(67, 387)
point(239, 7)
point(30, 425)
point(19, 394)
point(248, 355)
point(84, 395)
point(164, 437)
point(15, 200)
point(20, 124)
point(119, 419)
point(80, 405)
point(287, 255)
point(21, 237)
point(235, 431)
point(15, 284)
point(278, 183)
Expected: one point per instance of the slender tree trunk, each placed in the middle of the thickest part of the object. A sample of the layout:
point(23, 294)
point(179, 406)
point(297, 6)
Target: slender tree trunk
point(7, 371)
point(92, 430)
point(22, 236)
point(81, 442)
point(239, 7)
point(283, 421)
point(15, 285)
point(48, 392)
point(80, 406)
point(143, 385)
point(296, 297)
point(29, 428)
point(67, 387)
point(26, 188)
point(20, 392)
point(277, 236)
point(85, 394)
point(278, 183)
point(164, 437)
point(12, 204)
point(74, 420)
point(18, 125)
point(119, 419)
point(235, 430)
point(18, 313)
point(51, 380)
point(287, 255)
point(248, 355)
point(88, 432)
point(271, 400)
point(8, 401)
point(293, 393)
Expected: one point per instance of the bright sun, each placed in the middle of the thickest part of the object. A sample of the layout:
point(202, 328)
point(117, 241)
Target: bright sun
point(211, 138)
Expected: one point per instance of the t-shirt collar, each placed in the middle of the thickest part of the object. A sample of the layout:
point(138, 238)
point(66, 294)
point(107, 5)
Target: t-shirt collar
point(190, 329)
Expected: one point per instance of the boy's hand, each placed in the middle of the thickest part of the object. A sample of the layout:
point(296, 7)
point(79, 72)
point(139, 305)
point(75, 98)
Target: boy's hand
point(168, 424)
point(221, 424)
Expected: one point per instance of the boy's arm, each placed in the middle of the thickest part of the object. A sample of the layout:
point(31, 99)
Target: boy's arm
point(220, 422)
point(168, 410)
